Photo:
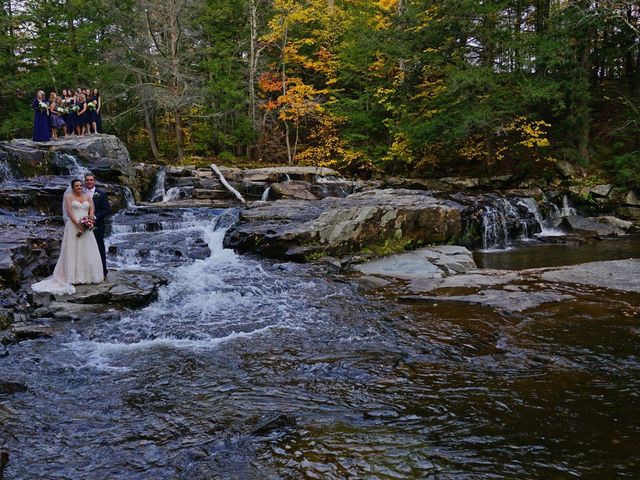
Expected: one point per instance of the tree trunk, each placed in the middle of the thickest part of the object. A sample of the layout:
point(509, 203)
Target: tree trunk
point(542, 25)
point(253, 61)
point(151, 132)
point(582, 98)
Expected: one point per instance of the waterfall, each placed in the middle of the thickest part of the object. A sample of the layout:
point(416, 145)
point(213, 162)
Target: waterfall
point(265, 194)
point(158, 188)
point(71, 163)
point(546, 225)
point(567, 210)
point(503, 223)
point(172, 194)
point(128, 197)
point(5, 171)
point(287, 177)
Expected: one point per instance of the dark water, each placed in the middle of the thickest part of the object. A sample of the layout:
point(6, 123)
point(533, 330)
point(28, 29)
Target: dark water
point(538, 255)
point(370, 388)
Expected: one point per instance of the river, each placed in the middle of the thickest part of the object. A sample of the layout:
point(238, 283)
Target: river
point(251, 369)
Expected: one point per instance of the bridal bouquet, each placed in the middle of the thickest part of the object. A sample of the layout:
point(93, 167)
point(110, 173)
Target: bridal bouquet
point(43, 106)
point(62, 110)
point(91, 105)
point(86, 224)
point(75, 108)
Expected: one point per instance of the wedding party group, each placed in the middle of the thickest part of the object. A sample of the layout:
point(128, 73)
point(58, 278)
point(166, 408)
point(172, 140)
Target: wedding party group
point(74, 113)
point(82, 257)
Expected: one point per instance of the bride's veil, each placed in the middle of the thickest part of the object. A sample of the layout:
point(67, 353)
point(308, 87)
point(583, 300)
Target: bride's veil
point(65, 215)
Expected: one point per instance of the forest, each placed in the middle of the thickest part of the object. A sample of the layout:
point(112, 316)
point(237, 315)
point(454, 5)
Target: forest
point(410, 87)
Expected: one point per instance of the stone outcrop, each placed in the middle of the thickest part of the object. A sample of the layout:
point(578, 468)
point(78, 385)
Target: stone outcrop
point(600, 226)
point(104, 155)
point(121, 289)
point(299, 229)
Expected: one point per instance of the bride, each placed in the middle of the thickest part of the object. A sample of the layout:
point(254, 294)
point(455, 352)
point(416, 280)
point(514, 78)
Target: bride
point(79, 260)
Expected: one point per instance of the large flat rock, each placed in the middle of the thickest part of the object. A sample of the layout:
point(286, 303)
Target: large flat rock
point(294, 229)
point(121, 289)
point(621, 275)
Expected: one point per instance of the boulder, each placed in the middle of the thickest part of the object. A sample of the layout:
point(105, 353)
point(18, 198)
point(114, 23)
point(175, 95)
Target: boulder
point(105, 155)
point(587, 226)
point(121, 289)
point(279, 174)
point(424, 263)
point(601, 191)
point(613, 222)
point(302, 190)
point(462, 183)
point(335, 226)
point(631, 199)
point(567, 169)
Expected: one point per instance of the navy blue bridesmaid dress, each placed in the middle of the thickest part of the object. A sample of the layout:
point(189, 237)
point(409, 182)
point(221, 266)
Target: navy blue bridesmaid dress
point(98, 117)
point(82, 118)
point(72, 118)
point(41, 130)
point(91, 114)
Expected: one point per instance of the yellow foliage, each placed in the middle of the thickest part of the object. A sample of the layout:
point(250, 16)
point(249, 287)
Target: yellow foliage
point(400, 149)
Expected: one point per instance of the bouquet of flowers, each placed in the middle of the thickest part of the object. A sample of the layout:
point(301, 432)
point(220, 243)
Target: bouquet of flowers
point(62, 110)
point(91, 105)
point(86, 224)
point(75, 108)
point(43, 106)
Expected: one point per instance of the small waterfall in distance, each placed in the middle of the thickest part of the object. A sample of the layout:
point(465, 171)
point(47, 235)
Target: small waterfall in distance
point(128, 197)
point(158, 189)
point(5, 172)
point(265, 194)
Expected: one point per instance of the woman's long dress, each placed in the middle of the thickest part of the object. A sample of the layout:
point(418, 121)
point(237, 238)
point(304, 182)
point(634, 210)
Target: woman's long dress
point(91, 114)
point(82, 117)
point(41, 131)
point(98, 116)
point(79, 260)
point(72, 118)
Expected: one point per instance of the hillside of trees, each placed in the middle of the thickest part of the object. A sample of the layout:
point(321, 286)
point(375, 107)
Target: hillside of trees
point(419, 87)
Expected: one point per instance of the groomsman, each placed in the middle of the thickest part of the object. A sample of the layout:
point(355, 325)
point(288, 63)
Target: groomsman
point(102, 211)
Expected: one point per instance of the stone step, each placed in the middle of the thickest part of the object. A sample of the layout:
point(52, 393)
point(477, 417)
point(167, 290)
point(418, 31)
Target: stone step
point(201, 193)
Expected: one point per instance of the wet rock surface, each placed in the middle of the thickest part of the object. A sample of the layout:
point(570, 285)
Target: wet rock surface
point(296, 229)
point(104, 155)
point(415, 279)
point(121, 289)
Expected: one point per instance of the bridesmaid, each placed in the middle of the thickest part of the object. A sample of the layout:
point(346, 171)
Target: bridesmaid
point(72, 120)
point(40, 119)
point(98, 100)
point(54, 117)
point(81, 115)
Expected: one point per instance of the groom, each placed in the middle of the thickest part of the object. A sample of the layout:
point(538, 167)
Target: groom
point(102, 211)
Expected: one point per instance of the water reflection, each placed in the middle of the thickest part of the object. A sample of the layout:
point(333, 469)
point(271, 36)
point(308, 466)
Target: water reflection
point(541, 255)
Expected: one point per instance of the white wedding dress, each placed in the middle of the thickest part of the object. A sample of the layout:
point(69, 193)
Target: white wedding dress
point(79, 260)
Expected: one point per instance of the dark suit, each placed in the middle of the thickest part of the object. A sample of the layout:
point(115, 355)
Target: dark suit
point(102, 211)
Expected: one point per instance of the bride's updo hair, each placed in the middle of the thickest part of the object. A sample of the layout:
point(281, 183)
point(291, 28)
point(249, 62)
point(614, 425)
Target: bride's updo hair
point(74, 181)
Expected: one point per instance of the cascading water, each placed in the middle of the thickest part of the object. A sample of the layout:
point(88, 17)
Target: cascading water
point(265, 194)
point(567, 210)
point(159, 189)
point(5, 172)
point(128, 197)
point(75, 169)
point(546, 225)
point(503, 224)
point(172, 194)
